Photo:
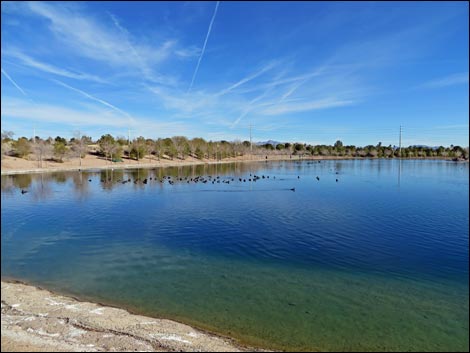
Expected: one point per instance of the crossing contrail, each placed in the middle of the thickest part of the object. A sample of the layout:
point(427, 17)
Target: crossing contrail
point(14, 83)
point(204, 47)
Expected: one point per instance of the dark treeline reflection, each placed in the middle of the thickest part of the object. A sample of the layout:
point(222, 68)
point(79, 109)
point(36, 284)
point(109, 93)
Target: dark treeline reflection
point(40, 185)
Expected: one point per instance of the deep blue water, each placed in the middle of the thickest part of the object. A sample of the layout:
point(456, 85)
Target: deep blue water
point(377, 260)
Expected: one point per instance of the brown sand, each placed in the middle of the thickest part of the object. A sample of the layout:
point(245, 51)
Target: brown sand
point(37, 320)
point(15, 165)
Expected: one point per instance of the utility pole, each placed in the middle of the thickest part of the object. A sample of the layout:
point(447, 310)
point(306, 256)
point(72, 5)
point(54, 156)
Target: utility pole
point(400, 143)
point(251, 145)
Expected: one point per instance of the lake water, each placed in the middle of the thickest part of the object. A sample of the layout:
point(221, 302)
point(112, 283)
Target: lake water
point(377, 260)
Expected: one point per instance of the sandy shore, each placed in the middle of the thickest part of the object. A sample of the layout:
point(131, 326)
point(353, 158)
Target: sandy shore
point(37, 320)
point(12, 165)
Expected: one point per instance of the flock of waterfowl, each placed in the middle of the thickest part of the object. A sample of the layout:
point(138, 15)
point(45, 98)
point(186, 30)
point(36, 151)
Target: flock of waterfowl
point(198, 179)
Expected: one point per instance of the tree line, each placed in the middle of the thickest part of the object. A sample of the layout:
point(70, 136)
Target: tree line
point(180, 147)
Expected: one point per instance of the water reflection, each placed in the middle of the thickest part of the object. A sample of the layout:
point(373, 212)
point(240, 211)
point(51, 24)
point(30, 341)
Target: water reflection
point(40, 185)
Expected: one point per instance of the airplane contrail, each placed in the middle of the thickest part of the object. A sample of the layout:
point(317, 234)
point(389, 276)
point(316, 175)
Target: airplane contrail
point(92, 97)
point(204, 46)
point(14, 83)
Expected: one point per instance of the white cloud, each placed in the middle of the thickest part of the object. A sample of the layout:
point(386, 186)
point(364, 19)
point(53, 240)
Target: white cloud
point(307, 106)
point(29, 61)
point(89, 38)
point(104, 120)
point(23, 109)
point(451, 80)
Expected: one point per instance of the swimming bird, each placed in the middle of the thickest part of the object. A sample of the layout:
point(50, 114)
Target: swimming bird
point(24, 191)
point(89, 180)
point(293, 189)
point(336, 180)
point(318, 178)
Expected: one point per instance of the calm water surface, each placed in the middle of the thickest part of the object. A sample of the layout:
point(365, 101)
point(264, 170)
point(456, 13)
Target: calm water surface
point(377, 260)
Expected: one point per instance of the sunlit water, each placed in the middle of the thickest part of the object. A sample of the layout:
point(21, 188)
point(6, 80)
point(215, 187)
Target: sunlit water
point(377, 260)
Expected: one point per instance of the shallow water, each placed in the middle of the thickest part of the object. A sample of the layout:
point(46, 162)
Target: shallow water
point(377, 260)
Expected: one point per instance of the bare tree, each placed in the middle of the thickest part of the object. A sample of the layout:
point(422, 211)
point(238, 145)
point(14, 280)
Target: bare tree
point(79, 146)
point(42, 150)
point(6, 142)
point(159, 148)
point(181, 145)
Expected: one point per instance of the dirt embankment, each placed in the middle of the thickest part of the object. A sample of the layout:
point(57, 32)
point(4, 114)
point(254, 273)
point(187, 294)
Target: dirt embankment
point(15, 165)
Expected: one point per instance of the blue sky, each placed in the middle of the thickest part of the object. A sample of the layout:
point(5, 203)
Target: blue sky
point(297, 71)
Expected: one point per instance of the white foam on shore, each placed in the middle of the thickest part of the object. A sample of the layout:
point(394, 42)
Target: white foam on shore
point(43, 333)
point(53, 302)
point(72, 307)
point(76, 332)
point(174, 338)
point(98, 311)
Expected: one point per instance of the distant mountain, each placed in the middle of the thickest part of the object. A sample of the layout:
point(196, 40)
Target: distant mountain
point(271, 142)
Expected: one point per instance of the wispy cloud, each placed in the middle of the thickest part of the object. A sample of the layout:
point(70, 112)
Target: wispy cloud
point(20, 108)
point(90, 38)
point(98, 120)
point(13, 82)
point(204, 46)
point(451, 80)
point(29, 61)
point(92, 98)
point(306, 106)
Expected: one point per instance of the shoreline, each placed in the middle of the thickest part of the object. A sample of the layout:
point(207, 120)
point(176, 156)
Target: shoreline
point(7, 170)
point(36, 319)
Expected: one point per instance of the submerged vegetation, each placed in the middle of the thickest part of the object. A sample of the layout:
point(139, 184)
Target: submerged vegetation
point(180, 147)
